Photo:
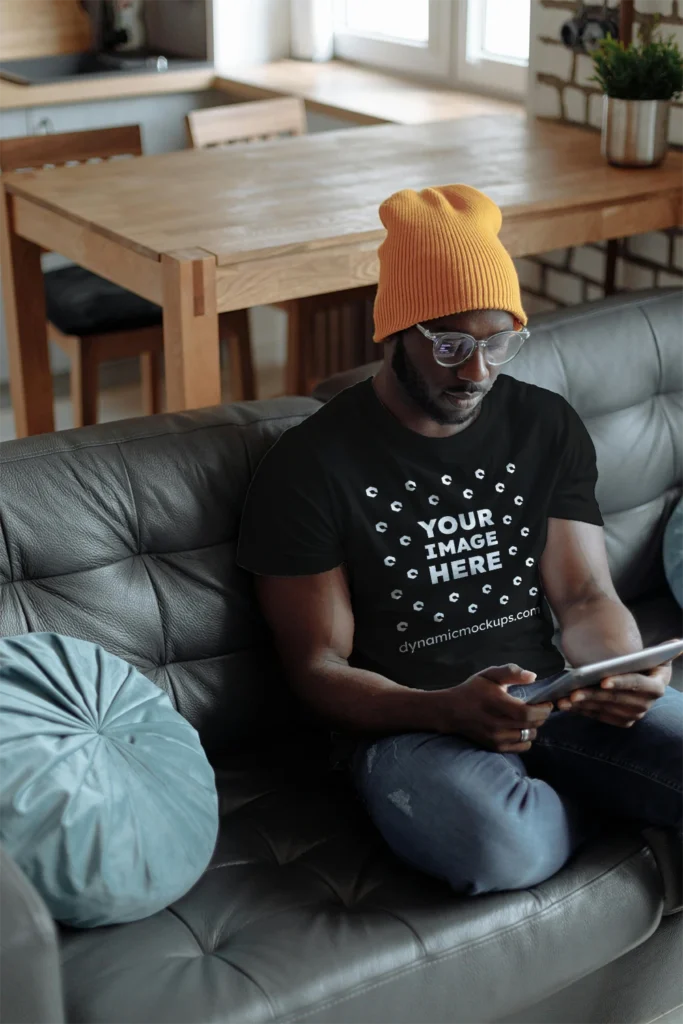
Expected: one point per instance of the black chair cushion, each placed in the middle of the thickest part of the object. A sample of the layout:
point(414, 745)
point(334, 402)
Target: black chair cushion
point(81, 303)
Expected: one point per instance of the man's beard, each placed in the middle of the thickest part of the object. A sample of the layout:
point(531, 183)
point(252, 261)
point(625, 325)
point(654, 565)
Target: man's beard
point(436, 407)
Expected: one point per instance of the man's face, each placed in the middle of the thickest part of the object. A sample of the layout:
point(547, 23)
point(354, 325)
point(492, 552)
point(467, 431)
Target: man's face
point(448, 395)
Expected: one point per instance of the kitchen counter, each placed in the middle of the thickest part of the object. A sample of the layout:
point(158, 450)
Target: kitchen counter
point(108, 87)
point(355, 94)
point(361, 95)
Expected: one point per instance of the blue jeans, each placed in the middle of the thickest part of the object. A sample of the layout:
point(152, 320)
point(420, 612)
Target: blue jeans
point(486, 822)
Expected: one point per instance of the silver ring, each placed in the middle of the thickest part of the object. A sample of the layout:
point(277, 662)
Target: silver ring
point(525, 735)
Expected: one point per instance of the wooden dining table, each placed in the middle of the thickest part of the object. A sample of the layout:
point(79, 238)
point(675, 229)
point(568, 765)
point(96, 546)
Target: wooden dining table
point(202, 232)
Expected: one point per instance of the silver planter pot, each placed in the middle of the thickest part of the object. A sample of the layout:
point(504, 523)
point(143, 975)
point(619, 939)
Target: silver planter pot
point(635, 132)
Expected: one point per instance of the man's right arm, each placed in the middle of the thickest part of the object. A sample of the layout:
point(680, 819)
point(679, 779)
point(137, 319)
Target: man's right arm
point(312, 622)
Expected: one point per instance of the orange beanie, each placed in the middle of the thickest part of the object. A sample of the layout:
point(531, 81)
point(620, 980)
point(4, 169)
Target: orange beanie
point(442, 255)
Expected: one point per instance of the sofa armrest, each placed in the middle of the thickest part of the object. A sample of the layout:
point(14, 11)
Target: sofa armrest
point(327, 389)
point(30, 976)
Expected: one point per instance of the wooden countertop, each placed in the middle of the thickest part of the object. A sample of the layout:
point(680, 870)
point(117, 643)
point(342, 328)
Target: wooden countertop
point(341, 90)
point(112, 87)
point(359, 94)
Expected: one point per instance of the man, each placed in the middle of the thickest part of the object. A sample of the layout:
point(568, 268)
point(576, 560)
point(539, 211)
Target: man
point(406, 540)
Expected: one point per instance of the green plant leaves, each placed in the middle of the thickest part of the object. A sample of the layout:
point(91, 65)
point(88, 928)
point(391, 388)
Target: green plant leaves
point(651, 71)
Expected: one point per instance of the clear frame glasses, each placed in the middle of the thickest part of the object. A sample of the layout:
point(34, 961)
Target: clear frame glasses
point(453, 348)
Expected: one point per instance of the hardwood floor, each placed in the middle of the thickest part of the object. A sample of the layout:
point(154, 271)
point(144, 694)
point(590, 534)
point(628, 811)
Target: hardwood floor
point(123, 401)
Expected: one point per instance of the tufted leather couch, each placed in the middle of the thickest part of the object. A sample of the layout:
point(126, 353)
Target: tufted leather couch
point(125, 534)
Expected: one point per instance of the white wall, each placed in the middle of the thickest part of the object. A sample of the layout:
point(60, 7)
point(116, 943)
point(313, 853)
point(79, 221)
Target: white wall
point(247, 32)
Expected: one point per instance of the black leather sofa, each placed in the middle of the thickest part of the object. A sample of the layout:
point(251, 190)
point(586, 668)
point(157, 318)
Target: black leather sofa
point(125, 534)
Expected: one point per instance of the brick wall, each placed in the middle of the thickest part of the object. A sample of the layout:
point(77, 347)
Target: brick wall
point(560, 88)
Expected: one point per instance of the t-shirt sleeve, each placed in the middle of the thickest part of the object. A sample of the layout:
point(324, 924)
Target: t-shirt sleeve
point(289, 525)
point(573, 496)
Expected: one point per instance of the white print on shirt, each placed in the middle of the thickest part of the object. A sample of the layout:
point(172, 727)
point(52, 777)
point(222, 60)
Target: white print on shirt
point(409, 647)
point(457, 539)
point(455, 546)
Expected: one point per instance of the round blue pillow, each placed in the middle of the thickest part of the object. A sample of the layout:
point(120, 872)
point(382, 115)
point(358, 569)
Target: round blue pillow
point(107, 800)
point(673, 552)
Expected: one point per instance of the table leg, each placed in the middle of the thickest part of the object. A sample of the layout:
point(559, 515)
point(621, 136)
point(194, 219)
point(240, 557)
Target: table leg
point(299, 345)
point(611, 266)
point(191, 353)
point(23, 294)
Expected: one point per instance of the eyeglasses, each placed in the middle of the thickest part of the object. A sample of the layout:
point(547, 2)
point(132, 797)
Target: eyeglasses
point(452, 349)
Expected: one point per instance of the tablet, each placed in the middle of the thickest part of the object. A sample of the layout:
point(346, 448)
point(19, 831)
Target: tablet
point(591, 675)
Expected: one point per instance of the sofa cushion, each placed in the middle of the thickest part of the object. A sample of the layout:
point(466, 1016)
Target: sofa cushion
point(673, 552)
point(124, 534)
point(101, 780)
point(305, 915)
point(659, 618)
point(327, 389)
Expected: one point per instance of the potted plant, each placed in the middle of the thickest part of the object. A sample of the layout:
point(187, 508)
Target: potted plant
point(639, 82)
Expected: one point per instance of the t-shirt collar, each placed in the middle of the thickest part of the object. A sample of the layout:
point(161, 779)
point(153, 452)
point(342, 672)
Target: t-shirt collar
point(403, 438)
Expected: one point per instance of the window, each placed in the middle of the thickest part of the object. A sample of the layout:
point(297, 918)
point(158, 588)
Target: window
point(492, 44)
point(411, 36)
point(480, 43)
point(409, 20)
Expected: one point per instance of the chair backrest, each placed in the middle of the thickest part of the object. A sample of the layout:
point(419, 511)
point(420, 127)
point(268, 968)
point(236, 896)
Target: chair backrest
point(64, 148)
point(246, 122)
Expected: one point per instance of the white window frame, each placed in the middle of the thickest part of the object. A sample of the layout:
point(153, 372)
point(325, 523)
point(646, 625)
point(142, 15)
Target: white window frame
point(425, 60)
point(453, 55)
point(471, 66)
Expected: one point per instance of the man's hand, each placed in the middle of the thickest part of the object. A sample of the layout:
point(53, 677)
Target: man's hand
point(620, 700)
point(481, 710)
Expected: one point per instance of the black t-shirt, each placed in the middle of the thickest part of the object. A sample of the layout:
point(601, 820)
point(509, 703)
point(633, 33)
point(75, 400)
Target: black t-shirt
point(440, 537)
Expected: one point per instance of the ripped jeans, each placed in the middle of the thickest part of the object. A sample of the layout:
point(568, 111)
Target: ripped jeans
point(486, 822)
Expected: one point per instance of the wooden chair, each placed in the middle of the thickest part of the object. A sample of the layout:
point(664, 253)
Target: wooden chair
point(246, 122)
point(91, 319)
point(320, 328)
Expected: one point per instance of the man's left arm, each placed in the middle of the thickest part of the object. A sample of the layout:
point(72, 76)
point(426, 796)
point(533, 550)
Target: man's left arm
point(595, 624)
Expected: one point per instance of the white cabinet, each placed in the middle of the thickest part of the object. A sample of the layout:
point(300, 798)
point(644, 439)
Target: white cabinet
point(13, 123)
point(162, 118)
